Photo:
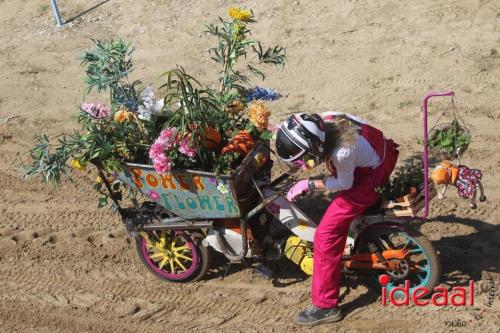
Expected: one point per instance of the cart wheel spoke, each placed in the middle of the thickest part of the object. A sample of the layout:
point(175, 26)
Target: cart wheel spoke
point(163, 262)
point(420, 268)
point(180, 248)
point(415, 251)
point(157, 255)
point(180, 264)
point(178, 255)
point(163, 240)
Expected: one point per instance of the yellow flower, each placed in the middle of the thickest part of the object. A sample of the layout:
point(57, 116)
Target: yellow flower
point(240, 14)
point(310, 163)
point(122, 115)
point(77, 165)
point(100, 180)
point(258, 114)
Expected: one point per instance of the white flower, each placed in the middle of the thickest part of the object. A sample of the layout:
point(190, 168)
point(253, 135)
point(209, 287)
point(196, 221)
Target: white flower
point(222, 188)
point(158, 105)
point(150, 105)
point(144, 113)
point(148, 97)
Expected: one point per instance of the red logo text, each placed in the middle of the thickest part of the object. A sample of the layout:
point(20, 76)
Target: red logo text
point(399, 296)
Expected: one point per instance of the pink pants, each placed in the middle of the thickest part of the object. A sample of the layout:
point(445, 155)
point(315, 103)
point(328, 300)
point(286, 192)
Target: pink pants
point(331, 235)
point(329, 243)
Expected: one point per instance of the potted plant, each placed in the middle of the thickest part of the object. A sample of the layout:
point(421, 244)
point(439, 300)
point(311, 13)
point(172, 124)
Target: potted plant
point(448, 141)
point(193, 126)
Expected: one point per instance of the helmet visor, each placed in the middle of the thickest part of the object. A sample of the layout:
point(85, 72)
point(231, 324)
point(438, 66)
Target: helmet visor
point(286, 148)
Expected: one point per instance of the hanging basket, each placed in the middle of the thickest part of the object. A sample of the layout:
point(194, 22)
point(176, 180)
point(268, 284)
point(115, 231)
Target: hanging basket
point(445, 143)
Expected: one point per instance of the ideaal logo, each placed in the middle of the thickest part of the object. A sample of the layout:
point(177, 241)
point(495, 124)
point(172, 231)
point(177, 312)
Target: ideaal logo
point(399, 296)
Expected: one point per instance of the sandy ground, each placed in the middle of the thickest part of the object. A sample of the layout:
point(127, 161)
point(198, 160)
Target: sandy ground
point(66, 266)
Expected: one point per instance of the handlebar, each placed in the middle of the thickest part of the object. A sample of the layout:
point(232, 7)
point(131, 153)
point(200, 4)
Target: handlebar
point(280, 179)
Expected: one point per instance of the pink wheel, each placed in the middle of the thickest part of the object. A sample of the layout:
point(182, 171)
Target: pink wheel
point(172, 255)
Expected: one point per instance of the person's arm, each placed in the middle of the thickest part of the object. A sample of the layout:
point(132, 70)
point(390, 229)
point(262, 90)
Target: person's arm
point(343, 160)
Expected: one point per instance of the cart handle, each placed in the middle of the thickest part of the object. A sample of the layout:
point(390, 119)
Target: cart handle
point(425, 100)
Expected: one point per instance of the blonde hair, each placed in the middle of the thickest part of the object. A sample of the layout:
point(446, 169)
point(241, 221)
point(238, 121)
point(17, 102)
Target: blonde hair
point(340, 132)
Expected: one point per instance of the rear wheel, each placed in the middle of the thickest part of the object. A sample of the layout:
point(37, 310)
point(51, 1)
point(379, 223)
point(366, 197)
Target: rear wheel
point(175, 256)
point(421, 267)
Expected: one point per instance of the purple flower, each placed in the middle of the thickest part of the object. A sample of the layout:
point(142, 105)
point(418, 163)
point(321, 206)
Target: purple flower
point(262, 94)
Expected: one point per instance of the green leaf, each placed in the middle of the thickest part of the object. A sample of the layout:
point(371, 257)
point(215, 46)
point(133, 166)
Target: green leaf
point(256, 71)
point(266, 135)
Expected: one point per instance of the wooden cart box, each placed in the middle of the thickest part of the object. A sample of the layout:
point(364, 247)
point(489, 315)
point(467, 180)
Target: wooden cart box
point(194, 194)
point(409, 205)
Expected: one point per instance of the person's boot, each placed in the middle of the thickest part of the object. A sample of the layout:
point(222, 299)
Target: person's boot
point(314, 315)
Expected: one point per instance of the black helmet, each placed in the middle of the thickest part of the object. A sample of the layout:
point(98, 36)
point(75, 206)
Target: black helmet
point(301, 134)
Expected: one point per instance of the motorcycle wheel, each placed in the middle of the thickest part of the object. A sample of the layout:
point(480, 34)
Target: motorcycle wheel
point(422, 267)
point(174, 256)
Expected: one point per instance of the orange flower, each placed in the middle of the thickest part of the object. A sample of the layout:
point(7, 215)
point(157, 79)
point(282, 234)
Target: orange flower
point(258, 114)
point(122, 115)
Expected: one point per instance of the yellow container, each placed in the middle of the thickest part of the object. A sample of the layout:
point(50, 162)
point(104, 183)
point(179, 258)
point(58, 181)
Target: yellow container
point(299, 252)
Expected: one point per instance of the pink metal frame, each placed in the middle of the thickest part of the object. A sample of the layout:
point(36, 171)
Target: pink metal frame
point(425, 100)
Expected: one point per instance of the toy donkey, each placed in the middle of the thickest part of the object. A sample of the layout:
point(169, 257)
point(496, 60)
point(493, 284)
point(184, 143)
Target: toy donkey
point(466, 180)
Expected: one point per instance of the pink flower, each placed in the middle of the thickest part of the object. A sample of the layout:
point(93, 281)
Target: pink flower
point(273, 128)
point(154, 195)
point(300, 164)
point(162, 164)
point(167, 136)
point(156, 149)
point(185, 149)
point(167, 133)
point(95, 110)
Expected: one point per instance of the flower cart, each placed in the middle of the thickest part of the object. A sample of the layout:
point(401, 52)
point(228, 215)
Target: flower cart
point(187, 161)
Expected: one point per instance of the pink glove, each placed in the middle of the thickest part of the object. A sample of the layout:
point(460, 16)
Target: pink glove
point(297, 189)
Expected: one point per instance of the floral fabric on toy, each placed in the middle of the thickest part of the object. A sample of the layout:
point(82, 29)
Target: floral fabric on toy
point(467, 181)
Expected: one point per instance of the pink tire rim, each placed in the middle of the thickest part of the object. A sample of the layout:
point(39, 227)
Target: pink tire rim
point(186, 274)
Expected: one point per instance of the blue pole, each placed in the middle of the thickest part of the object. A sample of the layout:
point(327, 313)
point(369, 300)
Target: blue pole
point(57, 16)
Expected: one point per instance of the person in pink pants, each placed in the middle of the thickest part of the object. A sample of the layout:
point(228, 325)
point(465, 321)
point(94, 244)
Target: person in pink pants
point(360, 159)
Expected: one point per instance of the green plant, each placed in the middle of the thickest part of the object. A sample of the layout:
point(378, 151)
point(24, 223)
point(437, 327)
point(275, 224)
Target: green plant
point(449, 140)
point(194, 106)
point(409, 174)
point(134, 123)
point(102, 138)
point(234, 43)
